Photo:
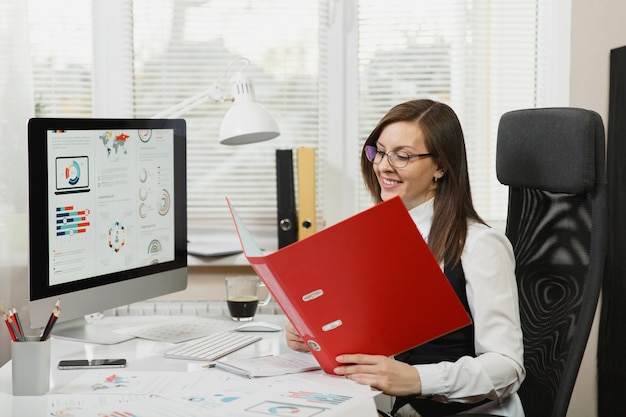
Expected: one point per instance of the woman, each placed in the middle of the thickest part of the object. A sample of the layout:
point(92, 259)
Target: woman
point(417, 152)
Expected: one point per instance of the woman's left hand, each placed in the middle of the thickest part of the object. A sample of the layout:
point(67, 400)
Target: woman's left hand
point(385, 374)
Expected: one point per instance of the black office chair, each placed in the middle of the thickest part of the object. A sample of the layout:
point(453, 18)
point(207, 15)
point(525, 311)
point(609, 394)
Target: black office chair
point(553, 161)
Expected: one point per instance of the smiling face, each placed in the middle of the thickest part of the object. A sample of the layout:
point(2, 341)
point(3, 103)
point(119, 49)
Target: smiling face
point(415, 183)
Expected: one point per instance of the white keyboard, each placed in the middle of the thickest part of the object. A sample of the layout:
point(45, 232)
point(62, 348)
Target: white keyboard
point(212, 347)
point(179, 329)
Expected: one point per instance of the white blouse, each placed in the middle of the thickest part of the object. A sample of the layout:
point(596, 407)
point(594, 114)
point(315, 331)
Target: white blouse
point(497, 370)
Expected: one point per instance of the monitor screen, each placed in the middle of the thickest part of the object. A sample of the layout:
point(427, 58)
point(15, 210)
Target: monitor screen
point(107, 216)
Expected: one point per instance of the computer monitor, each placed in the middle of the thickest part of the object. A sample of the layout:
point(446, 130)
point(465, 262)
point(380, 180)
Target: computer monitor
point(107, 218)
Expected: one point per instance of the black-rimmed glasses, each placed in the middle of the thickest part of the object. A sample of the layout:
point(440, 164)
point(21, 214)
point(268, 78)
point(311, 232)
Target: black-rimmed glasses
point(398, 159)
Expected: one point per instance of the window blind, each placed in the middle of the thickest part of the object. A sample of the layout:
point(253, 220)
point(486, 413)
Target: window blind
point(61, 49)
point(182, 48)
point(479, 57)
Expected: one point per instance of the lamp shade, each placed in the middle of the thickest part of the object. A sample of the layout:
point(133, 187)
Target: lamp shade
point(246, 121)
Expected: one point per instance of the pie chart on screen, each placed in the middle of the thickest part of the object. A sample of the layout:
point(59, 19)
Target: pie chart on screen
point(72, 173)
point(284, 410)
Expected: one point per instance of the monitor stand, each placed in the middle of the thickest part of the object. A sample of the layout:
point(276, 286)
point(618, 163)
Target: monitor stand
point(83, 331)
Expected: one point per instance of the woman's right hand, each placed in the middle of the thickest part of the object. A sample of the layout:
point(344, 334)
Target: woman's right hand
point(294, 341)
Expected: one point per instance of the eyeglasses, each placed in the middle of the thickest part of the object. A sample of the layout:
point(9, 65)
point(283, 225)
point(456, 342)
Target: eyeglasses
point(398, 159)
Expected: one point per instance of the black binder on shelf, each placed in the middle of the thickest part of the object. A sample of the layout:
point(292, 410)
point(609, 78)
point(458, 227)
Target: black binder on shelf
point(286, 200)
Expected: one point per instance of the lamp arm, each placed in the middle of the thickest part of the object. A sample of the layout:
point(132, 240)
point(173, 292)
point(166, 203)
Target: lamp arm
point(212, 93)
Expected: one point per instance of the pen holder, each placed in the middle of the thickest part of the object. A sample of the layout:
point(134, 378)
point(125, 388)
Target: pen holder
point(30, 364)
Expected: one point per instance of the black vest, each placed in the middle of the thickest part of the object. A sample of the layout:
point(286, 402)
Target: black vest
point(446, 348)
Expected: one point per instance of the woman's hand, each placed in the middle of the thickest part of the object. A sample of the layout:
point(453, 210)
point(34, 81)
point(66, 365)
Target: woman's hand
point(385, 374)
point(294, 341)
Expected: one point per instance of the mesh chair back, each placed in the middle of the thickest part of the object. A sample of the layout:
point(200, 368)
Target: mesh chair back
point(553, 162)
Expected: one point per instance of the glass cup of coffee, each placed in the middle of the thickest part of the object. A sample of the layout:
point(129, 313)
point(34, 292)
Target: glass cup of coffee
point(242, 297)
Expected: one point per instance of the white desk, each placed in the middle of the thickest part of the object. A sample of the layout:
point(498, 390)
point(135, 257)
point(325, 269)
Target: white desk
point(145, 355)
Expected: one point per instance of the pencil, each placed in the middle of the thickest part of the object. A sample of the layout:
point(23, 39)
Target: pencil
point(53, 318)
point(17, 320)
point(9, 326)
point(18, 325)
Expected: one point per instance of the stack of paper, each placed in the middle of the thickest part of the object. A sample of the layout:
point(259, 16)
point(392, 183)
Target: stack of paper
point(273, 365)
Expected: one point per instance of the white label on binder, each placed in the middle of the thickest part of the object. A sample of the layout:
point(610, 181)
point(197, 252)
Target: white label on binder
point(312, 295)
point(332, 325)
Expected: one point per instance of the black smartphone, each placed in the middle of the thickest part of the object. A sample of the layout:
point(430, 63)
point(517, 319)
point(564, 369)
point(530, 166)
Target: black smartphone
point(92, 364)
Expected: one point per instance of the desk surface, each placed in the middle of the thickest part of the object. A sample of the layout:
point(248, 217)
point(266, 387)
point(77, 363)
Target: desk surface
point(145, 355)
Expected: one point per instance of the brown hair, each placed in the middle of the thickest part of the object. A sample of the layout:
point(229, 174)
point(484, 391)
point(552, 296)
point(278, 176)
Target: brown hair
point(443, 138)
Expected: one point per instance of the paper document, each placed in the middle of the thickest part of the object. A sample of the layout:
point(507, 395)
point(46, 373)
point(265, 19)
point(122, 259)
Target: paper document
point(207, 393)
point(211, 244)
point(286, 363)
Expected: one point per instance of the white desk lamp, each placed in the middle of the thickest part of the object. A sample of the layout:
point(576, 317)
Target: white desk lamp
point(245, 122)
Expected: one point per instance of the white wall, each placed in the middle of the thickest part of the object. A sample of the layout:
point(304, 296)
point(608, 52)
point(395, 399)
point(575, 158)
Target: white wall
point(16, 106)
point(597, 27)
